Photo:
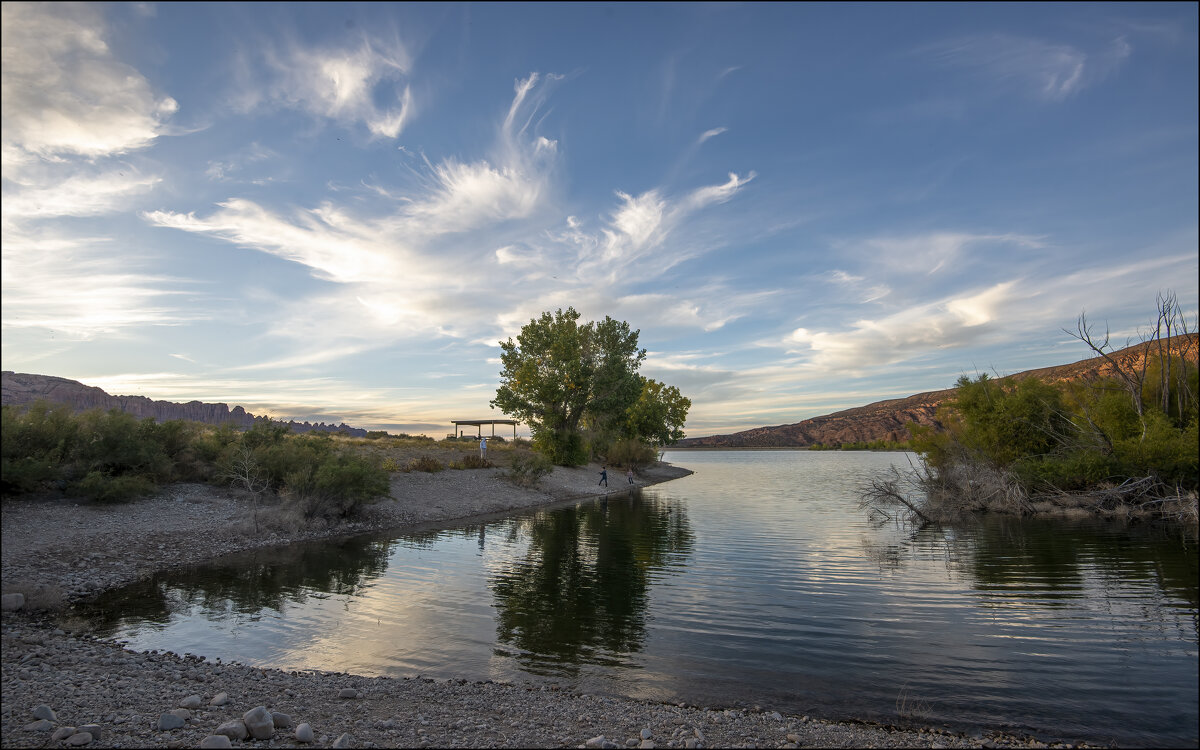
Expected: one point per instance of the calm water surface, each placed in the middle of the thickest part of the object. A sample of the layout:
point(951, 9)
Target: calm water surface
point(757, 580)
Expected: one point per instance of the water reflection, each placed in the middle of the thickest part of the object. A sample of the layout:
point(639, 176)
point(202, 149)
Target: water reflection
point(1052, 561)
point(245, 584)
point(579, 594)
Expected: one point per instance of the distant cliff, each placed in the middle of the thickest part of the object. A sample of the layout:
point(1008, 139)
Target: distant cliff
point(887, 420)
point(23, 388)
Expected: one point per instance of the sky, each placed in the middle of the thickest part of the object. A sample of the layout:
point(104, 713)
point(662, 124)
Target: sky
point(335, 212)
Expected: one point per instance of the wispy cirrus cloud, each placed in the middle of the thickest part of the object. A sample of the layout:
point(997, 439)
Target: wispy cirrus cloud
point(640, 225)
point(79, 287)
point(362, 81)
point(1046, 70)
point(78, 193)
point(932, 252)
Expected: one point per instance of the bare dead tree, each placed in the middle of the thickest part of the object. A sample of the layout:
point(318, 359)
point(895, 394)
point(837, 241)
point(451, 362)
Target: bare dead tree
point(1131, 375)
point(244, 472)
point(881, 492)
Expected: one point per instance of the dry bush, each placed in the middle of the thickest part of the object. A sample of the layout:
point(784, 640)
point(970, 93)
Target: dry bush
point(425, 463)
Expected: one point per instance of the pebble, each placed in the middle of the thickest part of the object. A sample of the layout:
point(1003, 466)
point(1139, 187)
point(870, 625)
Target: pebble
point(259, 723)
point(304, 733)
point(234, 730)
point(167, 722)
point(215, 741)
point(191, 702)
point(44, 712)
point(220, 699)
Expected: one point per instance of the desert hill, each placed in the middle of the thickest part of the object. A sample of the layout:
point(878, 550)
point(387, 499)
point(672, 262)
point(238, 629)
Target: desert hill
point(18, 388)
point(887, 420)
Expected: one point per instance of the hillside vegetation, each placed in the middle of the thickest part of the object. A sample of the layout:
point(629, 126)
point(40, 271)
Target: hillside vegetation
point(112, 456)
point(1122, 444)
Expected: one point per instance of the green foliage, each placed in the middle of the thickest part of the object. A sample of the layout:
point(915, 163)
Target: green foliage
point(630, 452)
point(1065, 437)
point(105, 488)
point(562, 446)
point(116, 443)
point(1006, 422)
point(376, 434)
point(33, 445)
point(113, 456)
point(658, 414)
point(577, 387)
point(862, 445)
point(527, 470)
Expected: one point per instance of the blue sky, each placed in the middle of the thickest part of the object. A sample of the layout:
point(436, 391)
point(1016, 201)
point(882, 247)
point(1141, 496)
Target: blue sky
point(336, 212)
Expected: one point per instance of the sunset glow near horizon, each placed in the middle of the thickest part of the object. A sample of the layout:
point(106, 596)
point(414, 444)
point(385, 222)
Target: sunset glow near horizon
point(334, 212)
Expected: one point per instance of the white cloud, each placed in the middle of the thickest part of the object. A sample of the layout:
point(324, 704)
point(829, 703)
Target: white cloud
point(710, 134)
point(345, 84)
point(1046, 70)
point(332, 245)
point(932, 252)
point(642, 224)
point(64, 93)
point(77, 194)
point(78, 287)
point(69, 106)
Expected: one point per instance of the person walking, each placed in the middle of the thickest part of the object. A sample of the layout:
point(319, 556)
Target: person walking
point(603, 476)
point(629, 474)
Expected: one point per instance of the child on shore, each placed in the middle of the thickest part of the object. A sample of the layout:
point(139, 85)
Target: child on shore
point(603, 476)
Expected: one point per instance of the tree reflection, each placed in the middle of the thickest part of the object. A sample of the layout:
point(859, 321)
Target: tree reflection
point(244, 584)
point(1053, 560)
point(579, 595)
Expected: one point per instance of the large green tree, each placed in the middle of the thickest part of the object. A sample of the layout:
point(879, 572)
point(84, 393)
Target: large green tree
point(658, 414)
point(559, 372)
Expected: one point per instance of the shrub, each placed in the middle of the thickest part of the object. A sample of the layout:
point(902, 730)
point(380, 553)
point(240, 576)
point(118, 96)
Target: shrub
point(425, 463)
point(105, 488)
point(527, 469)
point(562, 447)
point(337, 487)
point(631, 453)
point(472, 461)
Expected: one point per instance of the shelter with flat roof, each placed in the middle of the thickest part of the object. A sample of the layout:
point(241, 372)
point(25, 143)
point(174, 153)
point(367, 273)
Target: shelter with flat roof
point(479, 423)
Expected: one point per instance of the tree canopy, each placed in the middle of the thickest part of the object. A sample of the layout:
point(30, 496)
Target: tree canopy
point(560, 375)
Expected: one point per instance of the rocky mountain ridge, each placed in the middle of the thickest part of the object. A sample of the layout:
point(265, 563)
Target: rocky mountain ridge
point(18, 388)
point(888, 420)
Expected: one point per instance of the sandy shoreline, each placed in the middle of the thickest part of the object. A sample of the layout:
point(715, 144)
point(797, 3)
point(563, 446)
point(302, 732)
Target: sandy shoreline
point(55, 552)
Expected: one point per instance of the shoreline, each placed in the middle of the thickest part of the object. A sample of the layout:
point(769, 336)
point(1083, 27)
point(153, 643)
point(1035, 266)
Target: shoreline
point(56, 552)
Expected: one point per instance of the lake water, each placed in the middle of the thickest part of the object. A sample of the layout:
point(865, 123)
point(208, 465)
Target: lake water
point(757, 580)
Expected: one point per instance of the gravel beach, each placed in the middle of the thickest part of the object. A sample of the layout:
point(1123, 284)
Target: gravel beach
point(68, 689)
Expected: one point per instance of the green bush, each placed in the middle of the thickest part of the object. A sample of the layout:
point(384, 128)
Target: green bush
point(105, 488)
point(631, 453)
point(34, 445)
point(1064, 437)
point(562, 447)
